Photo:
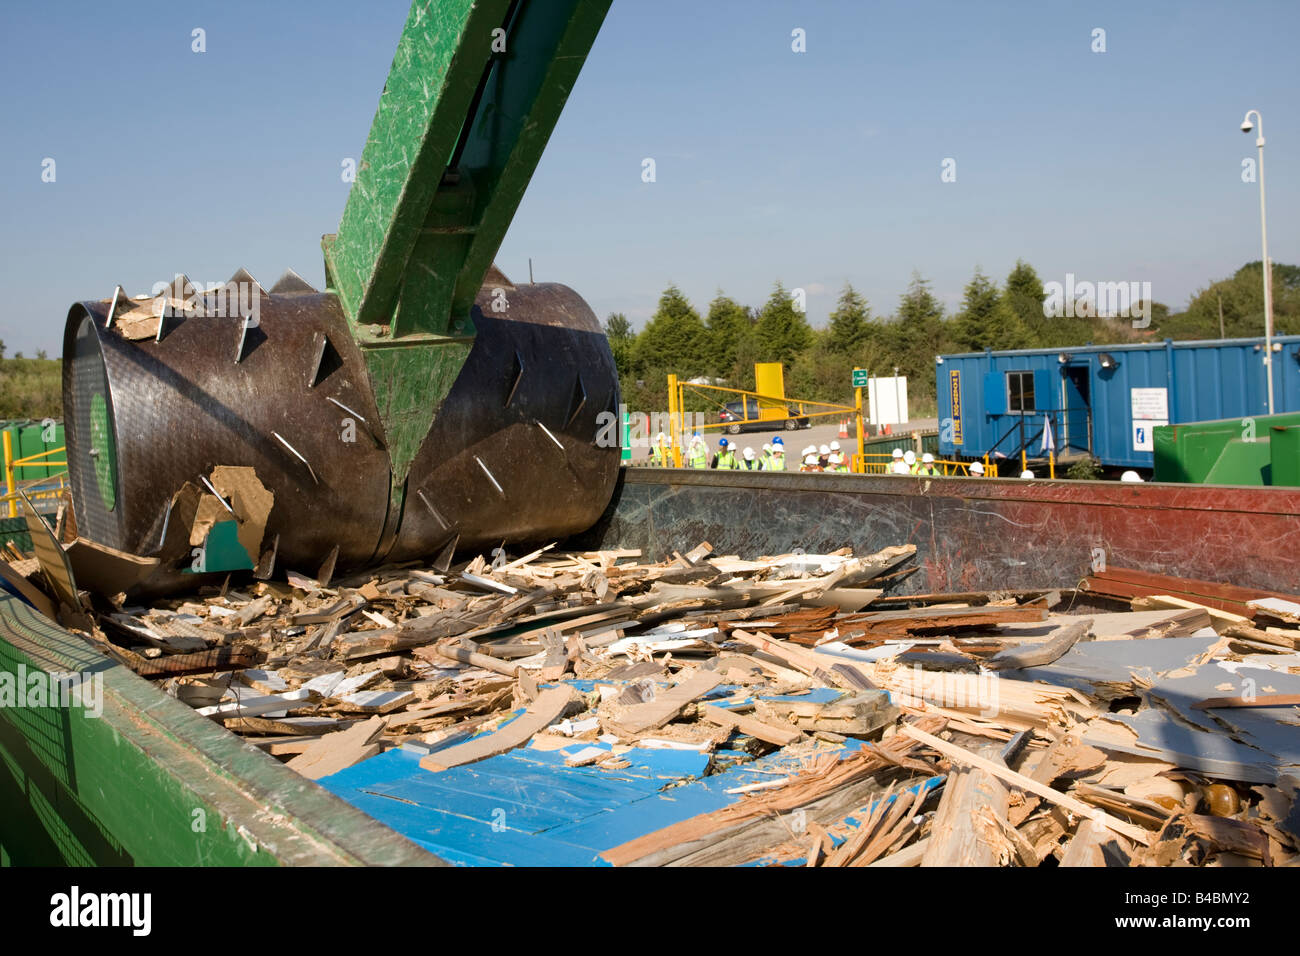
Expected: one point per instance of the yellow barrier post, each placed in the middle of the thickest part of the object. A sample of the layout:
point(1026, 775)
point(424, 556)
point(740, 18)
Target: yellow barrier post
point(862, 448)
point(674, 425)
point(9, 473)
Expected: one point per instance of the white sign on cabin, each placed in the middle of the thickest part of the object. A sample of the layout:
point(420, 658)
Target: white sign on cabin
point(1149, 403)
point(1149, 407)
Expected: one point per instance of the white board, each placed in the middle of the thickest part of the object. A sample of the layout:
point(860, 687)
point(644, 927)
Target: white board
point(887, 400)
point(1150, 404)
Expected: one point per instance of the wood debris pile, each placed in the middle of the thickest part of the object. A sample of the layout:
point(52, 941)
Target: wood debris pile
point(982, 728)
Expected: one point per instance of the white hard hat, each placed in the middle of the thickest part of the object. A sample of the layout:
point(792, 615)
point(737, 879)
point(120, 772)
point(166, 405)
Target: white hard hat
point(835, 446)
point(810, 459)
point(766, 447)
point(909, 456)
point(1130, 476)
point(927, 458)
point(977, 468)
point(749, 453)
point(662, 436)
point(897, 453)
point(824, 450)
point(1026, 474)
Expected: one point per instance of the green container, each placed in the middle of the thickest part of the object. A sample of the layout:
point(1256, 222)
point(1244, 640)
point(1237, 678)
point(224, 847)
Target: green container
point(1236, 451)
point(33, 438)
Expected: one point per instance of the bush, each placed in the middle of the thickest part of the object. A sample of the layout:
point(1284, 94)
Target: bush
point(1085, 469)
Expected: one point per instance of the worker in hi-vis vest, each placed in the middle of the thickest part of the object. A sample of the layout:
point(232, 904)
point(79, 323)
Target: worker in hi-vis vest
point(838, 461)
point(777, 462)
point(726, 456)
point(927, 467)
point(698, 453)
point(661, 450)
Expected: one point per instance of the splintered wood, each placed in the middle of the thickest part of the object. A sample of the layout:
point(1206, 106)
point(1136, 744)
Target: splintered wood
point(983, 728)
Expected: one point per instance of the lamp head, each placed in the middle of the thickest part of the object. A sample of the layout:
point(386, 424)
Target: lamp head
point(1247, 126)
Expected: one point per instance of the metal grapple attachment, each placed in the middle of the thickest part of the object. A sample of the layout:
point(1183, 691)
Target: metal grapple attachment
point(512, 455)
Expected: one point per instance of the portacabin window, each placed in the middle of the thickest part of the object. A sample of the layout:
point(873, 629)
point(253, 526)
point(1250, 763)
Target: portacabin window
point(1020, 392)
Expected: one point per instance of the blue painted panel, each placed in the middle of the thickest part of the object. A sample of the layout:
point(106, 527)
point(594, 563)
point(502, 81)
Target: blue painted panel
point(1047, 391)
point(527, 808)
point(995, 394)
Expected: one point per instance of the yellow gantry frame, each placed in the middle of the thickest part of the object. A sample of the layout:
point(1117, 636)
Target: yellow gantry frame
point(677, 413)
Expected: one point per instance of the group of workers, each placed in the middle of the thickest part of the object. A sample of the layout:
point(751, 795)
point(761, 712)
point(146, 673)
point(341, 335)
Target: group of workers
point(828, 458)
point(905, 463)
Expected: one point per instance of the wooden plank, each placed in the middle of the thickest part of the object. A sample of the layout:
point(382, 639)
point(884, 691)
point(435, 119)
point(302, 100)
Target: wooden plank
point(1037, 655)
point(829, 671)
point(338, 751)
point(218, 658)
point(1245, 632)
point(669, 704)
point(908, 856)
point(1259, 700)
point(1077, 807)
point(965, 830)
point(1219, 618)
point(856, 716)
point(544, 711)
point(899, 623)
point(462, 655)
point(1190, 587)
point(254, 705)
point(35, 597)
point(773, 733)
point(1088, 846)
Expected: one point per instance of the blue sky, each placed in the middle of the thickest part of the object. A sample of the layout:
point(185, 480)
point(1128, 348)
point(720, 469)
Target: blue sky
point(814, 168)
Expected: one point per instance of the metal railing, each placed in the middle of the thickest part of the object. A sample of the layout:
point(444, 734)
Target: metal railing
point(44, 488)
point(882, 464)
point(1029, 430)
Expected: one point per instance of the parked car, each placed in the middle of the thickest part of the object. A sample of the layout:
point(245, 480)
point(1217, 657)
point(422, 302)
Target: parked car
point(736, 412)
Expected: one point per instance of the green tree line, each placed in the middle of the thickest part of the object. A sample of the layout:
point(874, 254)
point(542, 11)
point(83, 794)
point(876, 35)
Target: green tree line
point(728, 338)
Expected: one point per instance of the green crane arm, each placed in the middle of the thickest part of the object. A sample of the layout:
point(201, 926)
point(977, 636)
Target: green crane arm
point(475, 90)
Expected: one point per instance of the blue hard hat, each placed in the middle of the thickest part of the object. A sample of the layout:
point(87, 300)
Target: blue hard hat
point(722, 443)
point(777, 441)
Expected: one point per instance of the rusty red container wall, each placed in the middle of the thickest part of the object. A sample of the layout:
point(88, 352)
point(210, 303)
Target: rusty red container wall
point(969, 534)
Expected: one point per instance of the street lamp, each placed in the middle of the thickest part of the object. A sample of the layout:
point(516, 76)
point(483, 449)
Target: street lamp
point(1246, 127)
